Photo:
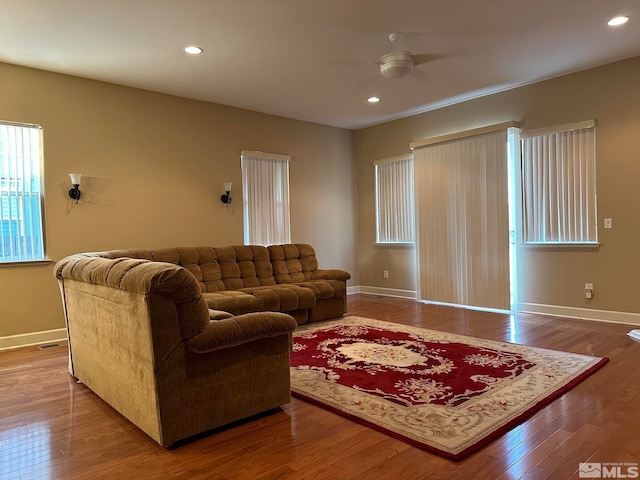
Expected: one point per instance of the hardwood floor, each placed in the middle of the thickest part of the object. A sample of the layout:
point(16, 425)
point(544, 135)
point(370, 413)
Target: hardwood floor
point(53, 428)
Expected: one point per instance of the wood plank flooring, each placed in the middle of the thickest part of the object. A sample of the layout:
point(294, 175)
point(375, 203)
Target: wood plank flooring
point(53, 428)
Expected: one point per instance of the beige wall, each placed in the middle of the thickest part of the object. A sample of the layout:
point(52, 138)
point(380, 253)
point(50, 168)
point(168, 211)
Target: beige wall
point(154, 165)
point(153, 170)
point(548, 276)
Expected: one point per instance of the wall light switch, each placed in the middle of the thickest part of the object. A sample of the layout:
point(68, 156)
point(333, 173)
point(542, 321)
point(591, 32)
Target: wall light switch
point(607, 223)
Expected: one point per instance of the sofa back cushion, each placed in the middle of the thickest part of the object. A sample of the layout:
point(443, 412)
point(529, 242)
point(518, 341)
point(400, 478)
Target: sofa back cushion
point(216, 269)
point(243, 266)
point(293, 262)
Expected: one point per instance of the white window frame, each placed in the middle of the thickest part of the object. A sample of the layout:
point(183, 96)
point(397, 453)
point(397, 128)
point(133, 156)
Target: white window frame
point(558, 182)
point(265, 194)
point(394, 198)
point(21, 194)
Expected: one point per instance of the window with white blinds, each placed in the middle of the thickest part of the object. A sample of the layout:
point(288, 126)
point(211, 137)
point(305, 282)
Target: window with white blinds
point(265, 192)
point(394, 200)
point(559, 184)
point(21, 222)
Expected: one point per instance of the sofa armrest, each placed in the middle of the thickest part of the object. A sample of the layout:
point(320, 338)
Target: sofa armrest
point(333, 274)
point(143, 277)
point(230, 332)
point(132, 275)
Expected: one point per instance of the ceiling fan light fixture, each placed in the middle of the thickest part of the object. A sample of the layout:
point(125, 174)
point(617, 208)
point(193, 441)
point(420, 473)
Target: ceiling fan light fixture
point(396, 65)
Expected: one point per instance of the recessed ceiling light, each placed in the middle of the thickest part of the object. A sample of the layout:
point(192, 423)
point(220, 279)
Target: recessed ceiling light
point(373, 99)
point(616, 21)
point(193, 50)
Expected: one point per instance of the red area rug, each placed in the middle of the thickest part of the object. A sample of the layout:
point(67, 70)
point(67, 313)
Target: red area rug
point(447, 393)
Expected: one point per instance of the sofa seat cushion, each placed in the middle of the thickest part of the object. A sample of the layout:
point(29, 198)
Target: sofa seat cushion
point(233, 301)
point(218, 314)
point(324, 289)
point(283, 298)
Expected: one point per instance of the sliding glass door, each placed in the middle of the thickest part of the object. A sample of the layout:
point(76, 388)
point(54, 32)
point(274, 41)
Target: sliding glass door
point(462, 220)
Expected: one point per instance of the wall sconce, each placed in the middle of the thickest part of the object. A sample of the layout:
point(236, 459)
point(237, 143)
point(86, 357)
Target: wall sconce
point(75, 181)
point(226, 198)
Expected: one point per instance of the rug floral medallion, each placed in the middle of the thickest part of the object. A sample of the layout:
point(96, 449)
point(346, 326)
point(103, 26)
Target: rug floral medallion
point(444, 392)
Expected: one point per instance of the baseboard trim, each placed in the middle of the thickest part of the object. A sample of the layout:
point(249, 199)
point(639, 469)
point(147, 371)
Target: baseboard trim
point(581, 313)
point(60, 334)
point(353, 290)
point(35, 338)
point(385, 292)
point(609, 316)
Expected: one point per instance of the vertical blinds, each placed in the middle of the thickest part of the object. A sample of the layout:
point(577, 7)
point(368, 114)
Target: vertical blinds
point(265, 190)
point(559, 185)
point(21, 225)
point(461, 189)
point(394, 201)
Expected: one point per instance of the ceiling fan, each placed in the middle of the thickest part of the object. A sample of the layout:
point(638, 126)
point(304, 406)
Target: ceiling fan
point(397, 63)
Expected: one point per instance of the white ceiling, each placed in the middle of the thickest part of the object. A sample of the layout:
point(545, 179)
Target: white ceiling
point(307, 59)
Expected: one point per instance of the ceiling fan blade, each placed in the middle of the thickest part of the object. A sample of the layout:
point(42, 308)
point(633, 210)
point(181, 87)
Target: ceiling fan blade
point(423, 58)
point(369, 81)
point(352, 61)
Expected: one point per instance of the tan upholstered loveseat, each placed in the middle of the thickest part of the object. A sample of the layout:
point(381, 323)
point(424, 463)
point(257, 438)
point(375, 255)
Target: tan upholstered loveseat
point(183, 340)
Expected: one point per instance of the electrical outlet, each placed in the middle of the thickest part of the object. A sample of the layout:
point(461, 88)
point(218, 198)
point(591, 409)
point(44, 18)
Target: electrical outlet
point(385, 274)
point(588, 290)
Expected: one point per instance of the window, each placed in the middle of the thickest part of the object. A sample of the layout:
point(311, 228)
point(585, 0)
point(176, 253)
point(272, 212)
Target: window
point(559, 184)
point(265, 192)
point(394, 200)
point(21, 225)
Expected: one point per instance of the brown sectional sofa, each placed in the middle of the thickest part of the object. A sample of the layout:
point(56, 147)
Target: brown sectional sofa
point(251, 278)
point(183, 340)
